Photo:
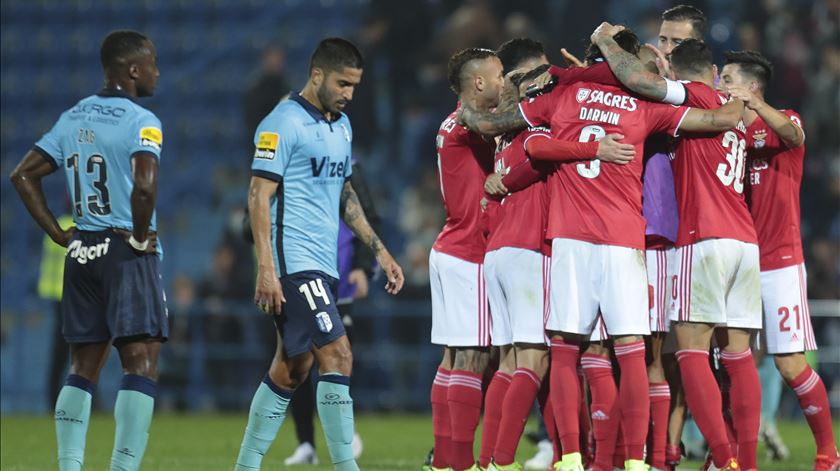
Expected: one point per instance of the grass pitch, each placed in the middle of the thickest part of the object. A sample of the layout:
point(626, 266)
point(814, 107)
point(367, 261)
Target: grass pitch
point(211, 442)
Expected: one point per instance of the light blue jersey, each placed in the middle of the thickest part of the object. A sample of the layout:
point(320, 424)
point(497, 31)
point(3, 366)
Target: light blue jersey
point(309, 157)
point(93, 143)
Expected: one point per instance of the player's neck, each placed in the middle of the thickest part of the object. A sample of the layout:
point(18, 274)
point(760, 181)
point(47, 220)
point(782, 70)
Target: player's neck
point(125, 86)
point(308, 93)
point(473, 101)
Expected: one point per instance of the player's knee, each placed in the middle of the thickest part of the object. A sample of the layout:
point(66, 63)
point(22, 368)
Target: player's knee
point(791, 365)
point(337, 356)
point(474, 360)
point(139, 362)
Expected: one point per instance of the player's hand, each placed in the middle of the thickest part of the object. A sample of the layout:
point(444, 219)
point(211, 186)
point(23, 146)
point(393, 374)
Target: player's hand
point(392, 270)
point(463, 116)
point(359, 278)
point(662, 62)
point(269, 294)
point(570, 58)
point(493, 185)
point(610, 150)
point(483, 203)
point(750, 99)
point(64, 237)
point(605, 31)
point(151, 248)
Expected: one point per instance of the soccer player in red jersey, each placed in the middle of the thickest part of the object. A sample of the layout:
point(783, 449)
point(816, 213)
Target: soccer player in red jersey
point(719, 283)
point(775, 153)
point(597, 233)
point(460, 315)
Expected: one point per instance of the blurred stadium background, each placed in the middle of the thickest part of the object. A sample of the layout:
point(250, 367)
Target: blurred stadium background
point(224, 63)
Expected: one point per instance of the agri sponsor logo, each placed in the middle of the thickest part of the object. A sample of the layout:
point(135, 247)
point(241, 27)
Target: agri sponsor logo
point(614, 100)
point(85, 253)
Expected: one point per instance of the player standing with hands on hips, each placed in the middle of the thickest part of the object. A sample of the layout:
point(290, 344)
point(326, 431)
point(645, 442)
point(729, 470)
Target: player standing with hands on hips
point(299, 187)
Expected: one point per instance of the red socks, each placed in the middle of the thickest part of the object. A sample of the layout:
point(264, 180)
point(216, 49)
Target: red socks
point(565, 394)
point(660, 404)
point(441, 425)
point(517, 405)
point(813, 400)
point(704, 401)
point(464, 412)
point(745, 404)
point(633, 397)
point(492, 415)
point(548, 417)
point(604, 408)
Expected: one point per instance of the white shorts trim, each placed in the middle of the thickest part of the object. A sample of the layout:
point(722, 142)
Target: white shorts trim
point(517, 293)
point(787, 322)
point(460, 313)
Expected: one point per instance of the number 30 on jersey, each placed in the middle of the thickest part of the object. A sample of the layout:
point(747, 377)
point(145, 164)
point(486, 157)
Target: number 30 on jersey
point(732, 172)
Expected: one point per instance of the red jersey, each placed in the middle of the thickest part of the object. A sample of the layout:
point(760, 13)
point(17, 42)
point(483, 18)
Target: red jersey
point(595, 201)
point(464, 161)
point(773, 194)
point(520, 219)
point(709, 178)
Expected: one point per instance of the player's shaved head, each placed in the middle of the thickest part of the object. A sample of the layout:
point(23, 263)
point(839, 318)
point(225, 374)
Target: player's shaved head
point(751, 65)
point(691, 58)
point(119, 48)
point(515, 53)
point(466, 64)
point(626, 40)
point(687, 14)
point(334, 54)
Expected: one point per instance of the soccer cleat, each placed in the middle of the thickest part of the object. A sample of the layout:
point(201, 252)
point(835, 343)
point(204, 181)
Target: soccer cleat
point(776, 448)
point(428, 467)
point(541, 460)
point(730, 465)
point(827, 463)
point(508, 467)
point(304, 454)
point(357, 446)
point(570, 462)
point(635, 465)
point(475, 467)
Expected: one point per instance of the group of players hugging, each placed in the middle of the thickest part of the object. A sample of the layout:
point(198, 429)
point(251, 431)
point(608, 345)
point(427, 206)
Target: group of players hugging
point(600, 233)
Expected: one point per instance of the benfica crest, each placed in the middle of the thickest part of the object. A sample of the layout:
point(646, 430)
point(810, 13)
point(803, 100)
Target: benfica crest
point(758, 138)
point(582, 94)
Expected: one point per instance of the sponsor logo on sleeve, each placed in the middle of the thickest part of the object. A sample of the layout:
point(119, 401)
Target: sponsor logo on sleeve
point(151, 137)
point(267, 145)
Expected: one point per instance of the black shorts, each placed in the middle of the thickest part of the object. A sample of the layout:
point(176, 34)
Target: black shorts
point(309, 316)
point(110, 291)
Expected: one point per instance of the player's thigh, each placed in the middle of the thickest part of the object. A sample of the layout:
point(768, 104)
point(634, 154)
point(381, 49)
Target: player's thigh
point(309, 317)
point(623, 291)
point(87, 359)
point(659, 267)
point(134, 293)
point(524, 285)
point(704, 270)
point(787, 323)
point(495, 264)
point(574, 284)
point(83, 303)
point(466, 320)
point(743, 300)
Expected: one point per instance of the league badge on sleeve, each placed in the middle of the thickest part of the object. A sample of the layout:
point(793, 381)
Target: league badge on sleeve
point(151, 137)
point(267, 145)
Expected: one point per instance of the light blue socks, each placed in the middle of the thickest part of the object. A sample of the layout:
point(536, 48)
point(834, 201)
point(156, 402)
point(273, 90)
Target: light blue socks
point(771, 389)
point(133, 414)
point(268, 410)
point(72, 415)
point(335, 409)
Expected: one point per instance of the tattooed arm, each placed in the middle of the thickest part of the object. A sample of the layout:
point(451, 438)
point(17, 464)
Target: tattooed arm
point(492, 124)
point(354, 216)
point(628, 68)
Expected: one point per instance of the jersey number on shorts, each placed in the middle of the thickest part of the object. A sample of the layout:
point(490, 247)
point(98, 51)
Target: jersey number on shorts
point(592, 168)
point(100, 204)
point(732, 172)
point(314, 288)
point(785, 313)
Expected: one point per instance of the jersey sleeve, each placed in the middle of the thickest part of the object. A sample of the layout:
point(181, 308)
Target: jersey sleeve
point(49, 146)
point(147, 136)
point(598, 73)
point(274, 143)
point(772, 141)
point(664, 118)
point(538, 111)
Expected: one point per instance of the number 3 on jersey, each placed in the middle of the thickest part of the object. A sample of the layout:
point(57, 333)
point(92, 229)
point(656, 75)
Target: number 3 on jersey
point(592, 168)
point(732, 172)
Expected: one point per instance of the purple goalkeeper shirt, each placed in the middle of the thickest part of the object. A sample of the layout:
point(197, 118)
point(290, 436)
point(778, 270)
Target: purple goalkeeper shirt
point(659, 200)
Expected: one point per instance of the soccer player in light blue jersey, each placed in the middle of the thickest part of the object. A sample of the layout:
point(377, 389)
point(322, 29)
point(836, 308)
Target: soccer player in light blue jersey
point(108, 148)
point(299, 188)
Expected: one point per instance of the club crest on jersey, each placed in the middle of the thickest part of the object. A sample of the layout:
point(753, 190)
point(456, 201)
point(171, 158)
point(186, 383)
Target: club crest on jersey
point(582, 94)
point(325, 324)
point(151, 137)
point(346, 132)
point(267, 145)
point(759, 138)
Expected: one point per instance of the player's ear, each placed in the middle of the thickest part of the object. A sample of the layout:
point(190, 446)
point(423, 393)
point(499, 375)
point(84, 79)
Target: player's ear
point(479, 83)
point(134, 71)
point(316, 76)
point(715, 71)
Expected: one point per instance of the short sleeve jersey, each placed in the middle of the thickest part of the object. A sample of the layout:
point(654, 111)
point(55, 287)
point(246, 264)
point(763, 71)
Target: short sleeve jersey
point(709, 178)
point(464, 161)
point(773, 193)
point(520, 219)
point(309, 157)
point(93, 143)
point(594, 201)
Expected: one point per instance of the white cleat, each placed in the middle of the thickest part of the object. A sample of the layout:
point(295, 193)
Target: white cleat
point(357, 446)
point(543, 459)
point(304, 454)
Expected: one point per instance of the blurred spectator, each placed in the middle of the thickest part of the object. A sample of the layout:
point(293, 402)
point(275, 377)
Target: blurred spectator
point(265, 90)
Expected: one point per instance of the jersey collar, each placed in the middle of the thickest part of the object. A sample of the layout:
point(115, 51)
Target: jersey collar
point(113, 92)
point(316, 114)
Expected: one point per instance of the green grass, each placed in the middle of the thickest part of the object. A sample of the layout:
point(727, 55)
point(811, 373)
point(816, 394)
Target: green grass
point(211, 442)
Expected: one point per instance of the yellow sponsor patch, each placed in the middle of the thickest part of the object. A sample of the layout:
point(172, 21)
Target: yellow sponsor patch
point(266, 145)
point(151, 137)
